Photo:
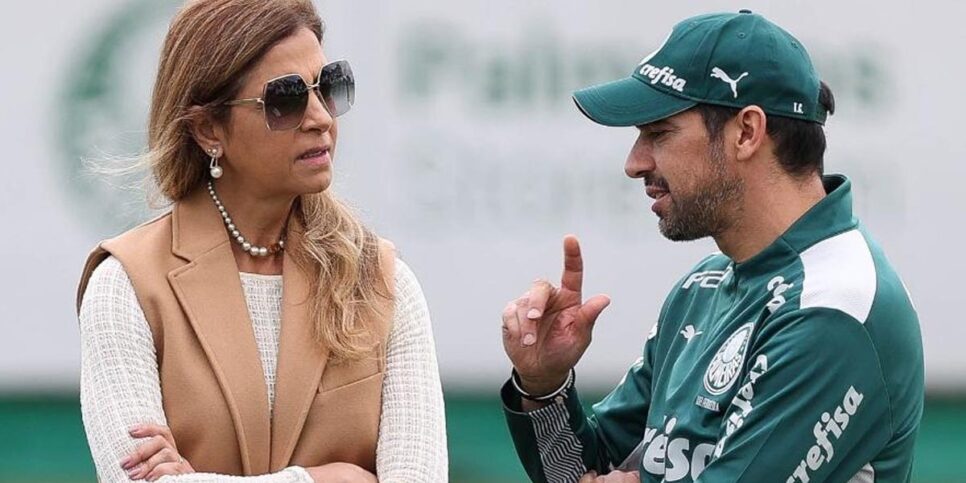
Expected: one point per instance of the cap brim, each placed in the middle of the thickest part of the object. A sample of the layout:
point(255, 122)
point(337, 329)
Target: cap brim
point(628, 102)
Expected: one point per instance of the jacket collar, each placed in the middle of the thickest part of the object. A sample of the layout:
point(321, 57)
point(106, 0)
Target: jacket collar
point(830, 216)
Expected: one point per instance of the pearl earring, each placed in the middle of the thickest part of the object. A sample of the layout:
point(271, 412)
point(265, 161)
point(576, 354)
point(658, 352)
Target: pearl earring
point(213, 167)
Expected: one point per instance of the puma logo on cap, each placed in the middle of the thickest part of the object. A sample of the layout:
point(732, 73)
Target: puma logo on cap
point(720, 74)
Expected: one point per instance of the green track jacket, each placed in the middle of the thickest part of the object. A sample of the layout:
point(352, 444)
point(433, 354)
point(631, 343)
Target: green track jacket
point(802, 364)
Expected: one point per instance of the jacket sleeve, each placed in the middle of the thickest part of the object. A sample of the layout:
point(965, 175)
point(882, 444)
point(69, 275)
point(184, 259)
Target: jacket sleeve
point(562, 441)
point(813, 405)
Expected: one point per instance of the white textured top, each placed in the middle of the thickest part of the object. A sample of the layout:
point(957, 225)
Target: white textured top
point(120, 384)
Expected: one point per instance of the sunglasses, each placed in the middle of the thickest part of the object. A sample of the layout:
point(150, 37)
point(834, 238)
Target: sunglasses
point(285, 99)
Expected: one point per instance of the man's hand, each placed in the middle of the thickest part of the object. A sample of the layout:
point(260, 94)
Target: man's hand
point(340, 473)
point(156, 457)
point(547, 330)
point(612, 477)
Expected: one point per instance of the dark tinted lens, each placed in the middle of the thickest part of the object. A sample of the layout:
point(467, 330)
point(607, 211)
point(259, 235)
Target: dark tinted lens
point(285, 101)
point(337, 87)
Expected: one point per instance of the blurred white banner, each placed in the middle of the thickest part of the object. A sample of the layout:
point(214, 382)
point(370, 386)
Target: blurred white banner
point(465, 149)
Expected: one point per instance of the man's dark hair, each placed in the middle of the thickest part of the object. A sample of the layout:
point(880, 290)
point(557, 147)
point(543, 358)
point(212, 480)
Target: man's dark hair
point(799, 145)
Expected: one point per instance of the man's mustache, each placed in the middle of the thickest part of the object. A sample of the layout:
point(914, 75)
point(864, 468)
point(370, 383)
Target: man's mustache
point(657, 182)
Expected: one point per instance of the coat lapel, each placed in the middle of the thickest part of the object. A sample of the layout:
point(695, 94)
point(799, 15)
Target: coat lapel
point(301, 361)
point(209, 290)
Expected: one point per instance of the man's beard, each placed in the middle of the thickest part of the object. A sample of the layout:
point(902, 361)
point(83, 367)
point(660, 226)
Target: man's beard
point(704, 212)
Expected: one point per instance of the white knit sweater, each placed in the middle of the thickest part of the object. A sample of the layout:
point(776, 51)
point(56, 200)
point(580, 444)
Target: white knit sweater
point(120, 385)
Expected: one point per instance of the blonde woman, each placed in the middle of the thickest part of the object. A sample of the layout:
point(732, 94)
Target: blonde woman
point(257, 331)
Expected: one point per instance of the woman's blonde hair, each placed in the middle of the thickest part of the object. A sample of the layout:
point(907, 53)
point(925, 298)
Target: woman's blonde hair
point(210, 47)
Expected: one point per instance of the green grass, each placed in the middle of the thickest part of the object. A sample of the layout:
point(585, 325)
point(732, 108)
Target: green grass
point(43, 441)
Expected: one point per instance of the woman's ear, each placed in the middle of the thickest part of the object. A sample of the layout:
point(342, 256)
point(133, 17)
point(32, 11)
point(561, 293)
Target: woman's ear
point(205, 131)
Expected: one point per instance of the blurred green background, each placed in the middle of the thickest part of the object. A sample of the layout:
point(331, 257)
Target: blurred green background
point(43, 441)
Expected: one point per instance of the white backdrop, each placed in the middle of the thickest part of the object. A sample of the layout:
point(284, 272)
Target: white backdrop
point(465, 149)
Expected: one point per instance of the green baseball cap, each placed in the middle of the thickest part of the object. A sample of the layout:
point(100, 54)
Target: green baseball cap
point(725, 59)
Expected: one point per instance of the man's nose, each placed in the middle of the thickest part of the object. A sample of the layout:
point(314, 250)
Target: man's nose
point(640, 161)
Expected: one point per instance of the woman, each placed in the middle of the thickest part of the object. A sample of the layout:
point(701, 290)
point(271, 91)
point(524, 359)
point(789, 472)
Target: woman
point(258, 329)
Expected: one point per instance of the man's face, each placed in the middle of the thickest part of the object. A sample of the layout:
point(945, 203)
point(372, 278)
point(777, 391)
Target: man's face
point(688, 174)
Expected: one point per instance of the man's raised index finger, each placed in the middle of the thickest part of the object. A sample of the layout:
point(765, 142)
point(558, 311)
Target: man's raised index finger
point(573, 272)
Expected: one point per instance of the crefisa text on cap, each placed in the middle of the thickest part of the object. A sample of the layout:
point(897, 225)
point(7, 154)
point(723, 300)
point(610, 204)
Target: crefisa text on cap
point(664, 75)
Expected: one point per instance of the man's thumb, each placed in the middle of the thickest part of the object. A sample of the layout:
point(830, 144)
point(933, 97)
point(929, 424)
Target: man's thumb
point(592, 308)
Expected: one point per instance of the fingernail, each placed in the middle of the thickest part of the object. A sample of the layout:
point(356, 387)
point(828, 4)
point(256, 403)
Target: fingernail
point(533, 314)
point(529, 339)
point(125, 462)
point(132, 473)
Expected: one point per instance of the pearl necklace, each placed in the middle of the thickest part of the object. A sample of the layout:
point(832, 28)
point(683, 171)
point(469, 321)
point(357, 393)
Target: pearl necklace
point(252, 250)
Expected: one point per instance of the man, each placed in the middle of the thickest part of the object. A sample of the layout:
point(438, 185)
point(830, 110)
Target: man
point(793, 355)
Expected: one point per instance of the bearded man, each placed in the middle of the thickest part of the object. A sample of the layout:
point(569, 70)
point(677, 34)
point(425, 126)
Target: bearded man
point(792, 355)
